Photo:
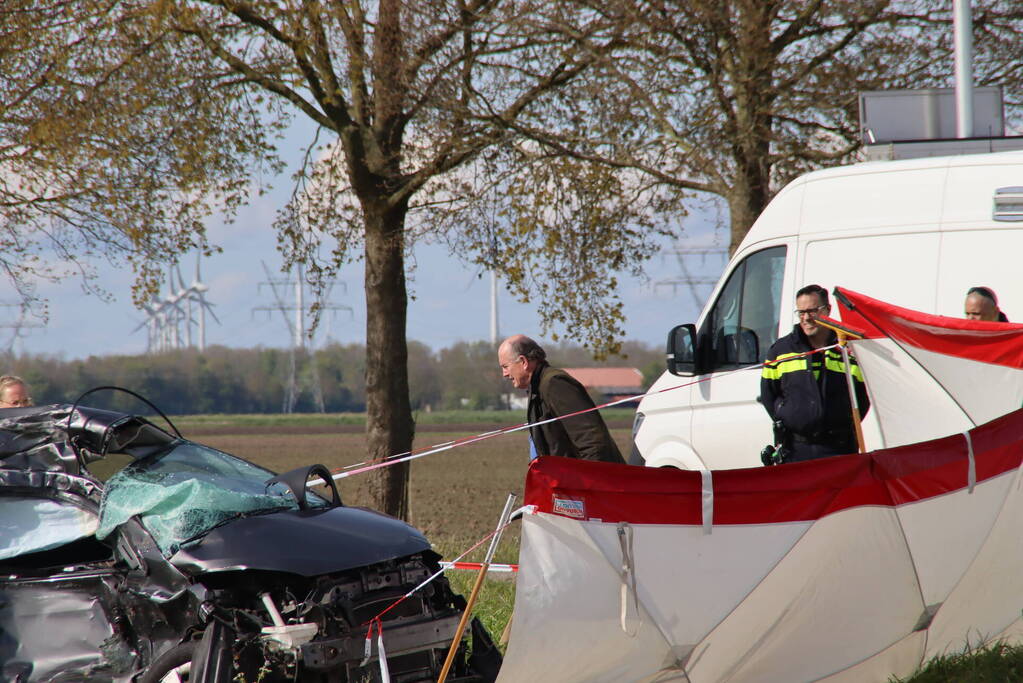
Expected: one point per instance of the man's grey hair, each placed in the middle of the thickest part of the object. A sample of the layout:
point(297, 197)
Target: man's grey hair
point(524, 346)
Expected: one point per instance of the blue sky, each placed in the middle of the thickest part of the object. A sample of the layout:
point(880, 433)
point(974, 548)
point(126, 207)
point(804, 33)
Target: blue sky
point(452, 301)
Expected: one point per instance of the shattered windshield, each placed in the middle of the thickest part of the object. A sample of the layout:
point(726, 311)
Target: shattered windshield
point(183, 493)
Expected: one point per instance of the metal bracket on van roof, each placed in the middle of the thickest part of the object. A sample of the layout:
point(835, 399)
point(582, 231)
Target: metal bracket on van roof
point(1008, 206)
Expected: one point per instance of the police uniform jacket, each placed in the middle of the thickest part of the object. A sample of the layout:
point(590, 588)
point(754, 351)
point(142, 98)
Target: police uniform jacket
point(554, 392)
point(809, 394)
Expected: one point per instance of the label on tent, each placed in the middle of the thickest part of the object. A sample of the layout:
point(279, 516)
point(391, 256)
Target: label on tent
point(570, 507)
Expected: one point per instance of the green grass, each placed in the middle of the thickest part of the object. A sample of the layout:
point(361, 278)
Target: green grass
point(497, 595)
point(996, 663)
point(297, 419)
point(494, 603)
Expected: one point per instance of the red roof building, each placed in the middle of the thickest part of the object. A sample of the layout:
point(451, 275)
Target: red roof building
point(613, 383)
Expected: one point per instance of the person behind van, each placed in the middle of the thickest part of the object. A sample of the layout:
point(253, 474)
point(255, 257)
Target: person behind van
point(982, 304)
point(14, 392)
point(552, 393)
point(807, 395)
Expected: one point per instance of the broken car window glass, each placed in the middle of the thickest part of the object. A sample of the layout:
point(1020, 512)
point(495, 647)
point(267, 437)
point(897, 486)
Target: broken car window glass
point(183, 493)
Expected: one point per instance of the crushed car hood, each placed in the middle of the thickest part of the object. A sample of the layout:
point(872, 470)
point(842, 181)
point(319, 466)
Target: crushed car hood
point(304, 542)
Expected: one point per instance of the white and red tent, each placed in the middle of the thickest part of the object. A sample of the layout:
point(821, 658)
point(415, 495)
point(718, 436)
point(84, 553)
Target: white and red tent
point(850, 568)
point(931, 375)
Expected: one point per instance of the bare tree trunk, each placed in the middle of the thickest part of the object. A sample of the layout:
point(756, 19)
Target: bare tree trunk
point(747, 197)
point(751, 121)
point(389, 425)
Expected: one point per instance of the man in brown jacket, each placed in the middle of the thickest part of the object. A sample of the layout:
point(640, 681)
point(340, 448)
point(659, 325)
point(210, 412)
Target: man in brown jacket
point(553, 392)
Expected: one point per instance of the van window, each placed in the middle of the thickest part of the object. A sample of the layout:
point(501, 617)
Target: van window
point(744, 321)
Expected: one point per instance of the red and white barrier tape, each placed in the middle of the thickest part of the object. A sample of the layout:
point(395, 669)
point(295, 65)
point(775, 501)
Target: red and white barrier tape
point(525, 509)
point(476, 566)
point(385, 674)
point(369, 466)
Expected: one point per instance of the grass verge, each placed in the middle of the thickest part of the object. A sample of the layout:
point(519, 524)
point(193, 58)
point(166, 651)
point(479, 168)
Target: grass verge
point(998, 662)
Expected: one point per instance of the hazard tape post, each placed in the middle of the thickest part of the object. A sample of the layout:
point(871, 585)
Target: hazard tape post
point(476, 566)
point(501, 524)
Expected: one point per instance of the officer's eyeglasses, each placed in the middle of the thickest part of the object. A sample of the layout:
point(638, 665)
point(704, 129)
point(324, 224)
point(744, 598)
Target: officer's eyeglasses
point(808, 312)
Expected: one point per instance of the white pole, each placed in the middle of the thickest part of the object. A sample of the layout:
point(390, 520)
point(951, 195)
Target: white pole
point(299, 309)
point(202, 305)
point(963, 24)
point(202, 325)
point(493, 308)
point(188, 319)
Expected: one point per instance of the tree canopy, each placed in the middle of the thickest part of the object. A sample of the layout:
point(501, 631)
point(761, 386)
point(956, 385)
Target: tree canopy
point(737, 97)
point(111, 153)
point(127, 121)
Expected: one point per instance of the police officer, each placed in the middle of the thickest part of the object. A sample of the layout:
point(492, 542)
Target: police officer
point(807, 395)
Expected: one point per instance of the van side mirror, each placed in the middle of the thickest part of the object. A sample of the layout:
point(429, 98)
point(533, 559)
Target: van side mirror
point(681, 350)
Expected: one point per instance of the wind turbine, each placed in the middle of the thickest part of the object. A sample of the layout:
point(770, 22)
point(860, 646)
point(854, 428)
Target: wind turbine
point(166, 314)
point(199, 289)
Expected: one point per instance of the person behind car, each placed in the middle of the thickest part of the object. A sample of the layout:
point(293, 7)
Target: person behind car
point(14, 392)
point(553, 393)
point(982, 304)
point(807, 394)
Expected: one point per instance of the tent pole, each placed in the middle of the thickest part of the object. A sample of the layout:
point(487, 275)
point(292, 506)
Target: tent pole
point(505, 514)
point(844, 335)
point(850, 384)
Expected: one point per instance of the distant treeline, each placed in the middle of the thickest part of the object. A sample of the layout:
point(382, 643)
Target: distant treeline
point(231, 380)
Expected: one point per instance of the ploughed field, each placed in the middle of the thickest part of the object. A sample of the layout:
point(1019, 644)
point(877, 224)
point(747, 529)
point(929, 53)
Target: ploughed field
point(456, 495)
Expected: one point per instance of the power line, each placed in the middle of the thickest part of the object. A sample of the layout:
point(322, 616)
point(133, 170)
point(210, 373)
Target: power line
point(302, 342)
point(19, 325)
point(683, 254)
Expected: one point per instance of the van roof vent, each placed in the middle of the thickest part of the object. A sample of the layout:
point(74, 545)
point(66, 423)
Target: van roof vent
point(1008, 204)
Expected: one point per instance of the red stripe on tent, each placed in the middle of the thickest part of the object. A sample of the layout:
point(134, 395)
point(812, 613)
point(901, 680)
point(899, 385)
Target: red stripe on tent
point(767, 495)
point(988, 342)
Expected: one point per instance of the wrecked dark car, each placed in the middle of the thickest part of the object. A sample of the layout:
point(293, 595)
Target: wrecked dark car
point(128, 553)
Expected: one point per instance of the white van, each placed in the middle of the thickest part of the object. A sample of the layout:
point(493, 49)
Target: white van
point(916, 233)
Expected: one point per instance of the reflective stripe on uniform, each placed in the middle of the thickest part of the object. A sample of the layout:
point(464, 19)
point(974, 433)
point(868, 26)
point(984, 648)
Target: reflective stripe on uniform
point(833, 361)
point(786, 362)
point(795, 362)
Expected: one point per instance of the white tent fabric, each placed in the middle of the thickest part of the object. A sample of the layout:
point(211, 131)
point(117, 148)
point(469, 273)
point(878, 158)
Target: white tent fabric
point(852, 568)
point(931, 375)
point(846, 569)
